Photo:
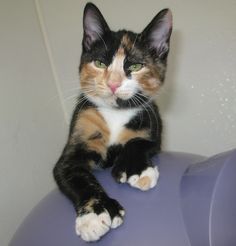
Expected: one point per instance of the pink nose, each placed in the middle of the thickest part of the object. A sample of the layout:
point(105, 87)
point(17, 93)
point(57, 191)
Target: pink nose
point(114, 86)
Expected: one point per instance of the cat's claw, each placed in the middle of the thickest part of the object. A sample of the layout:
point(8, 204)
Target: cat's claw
point(146, 180)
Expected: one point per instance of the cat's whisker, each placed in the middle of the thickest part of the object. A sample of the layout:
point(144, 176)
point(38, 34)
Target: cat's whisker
point(140, 114)
point(129, 104)
point(88, 90)
point(72, 97)
point(152, 111)
point(140, 94)
point(80, 100)
point(83, 101)
point(145, 109)
point(145, 105)
point(70, 93)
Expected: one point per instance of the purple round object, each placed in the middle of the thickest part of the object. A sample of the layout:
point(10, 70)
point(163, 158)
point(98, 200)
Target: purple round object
point(194, 203)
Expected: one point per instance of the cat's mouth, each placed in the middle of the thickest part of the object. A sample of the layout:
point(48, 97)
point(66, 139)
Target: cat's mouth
point(128, 101)
point(124, 99)
point(119, 95)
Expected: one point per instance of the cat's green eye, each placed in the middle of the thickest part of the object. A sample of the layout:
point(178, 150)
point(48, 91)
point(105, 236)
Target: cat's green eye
point(100, 64)
point(135, 67)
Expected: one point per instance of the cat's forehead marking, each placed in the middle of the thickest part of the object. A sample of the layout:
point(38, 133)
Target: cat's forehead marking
point(115, 70)
point(118, 61)
point(120, 52)
point(126, 42)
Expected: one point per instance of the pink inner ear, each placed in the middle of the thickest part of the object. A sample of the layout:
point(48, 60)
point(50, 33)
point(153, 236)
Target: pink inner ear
point(92, 27)
point(161, 32)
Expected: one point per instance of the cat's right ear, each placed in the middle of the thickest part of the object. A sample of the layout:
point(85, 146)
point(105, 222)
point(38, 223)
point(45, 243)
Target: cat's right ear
point(157, 33)
point(94, 25)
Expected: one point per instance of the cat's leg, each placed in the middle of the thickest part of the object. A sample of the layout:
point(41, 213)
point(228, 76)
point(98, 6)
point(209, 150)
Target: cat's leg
point(96, 211)
point(134, 166)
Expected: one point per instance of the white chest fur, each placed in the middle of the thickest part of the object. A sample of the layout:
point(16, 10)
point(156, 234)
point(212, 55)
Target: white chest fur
point(116, 120)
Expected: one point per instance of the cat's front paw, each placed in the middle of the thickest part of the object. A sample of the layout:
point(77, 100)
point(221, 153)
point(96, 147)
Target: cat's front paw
point(97, 218)
point(91, 226)
point(146, 180)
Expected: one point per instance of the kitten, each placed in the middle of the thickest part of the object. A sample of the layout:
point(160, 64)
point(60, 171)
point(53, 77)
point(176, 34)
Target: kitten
point(116, 121)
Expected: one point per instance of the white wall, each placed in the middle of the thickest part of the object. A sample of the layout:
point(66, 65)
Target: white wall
point(198, 102)
point(32, 123)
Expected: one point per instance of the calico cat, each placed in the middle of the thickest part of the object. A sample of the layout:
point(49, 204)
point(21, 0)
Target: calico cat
point(116, 121)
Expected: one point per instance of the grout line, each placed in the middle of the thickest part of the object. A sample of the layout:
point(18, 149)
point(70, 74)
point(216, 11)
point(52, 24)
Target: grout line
point(50, 57)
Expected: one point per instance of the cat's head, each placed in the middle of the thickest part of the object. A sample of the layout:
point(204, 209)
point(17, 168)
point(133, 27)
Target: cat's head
point(123, 69)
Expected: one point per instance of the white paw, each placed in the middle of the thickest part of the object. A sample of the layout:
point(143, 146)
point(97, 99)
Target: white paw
point(146, 180)
point(90, 227)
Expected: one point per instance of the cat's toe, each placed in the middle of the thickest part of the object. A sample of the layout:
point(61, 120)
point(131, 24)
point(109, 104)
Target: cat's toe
point(146, 180)
point(90, 227)
point(117, 221)
point(123, 177)
point(116, 211)
point(119, 174)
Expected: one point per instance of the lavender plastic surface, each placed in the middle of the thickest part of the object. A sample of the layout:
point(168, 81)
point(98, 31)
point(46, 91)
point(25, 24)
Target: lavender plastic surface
point(193, 204)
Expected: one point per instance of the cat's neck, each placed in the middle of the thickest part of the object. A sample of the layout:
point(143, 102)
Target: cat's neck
point(110, 104)
point(116, 119)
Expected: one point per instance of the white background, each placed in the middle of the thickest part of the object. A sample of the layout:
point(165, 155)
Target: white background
point(40, 45)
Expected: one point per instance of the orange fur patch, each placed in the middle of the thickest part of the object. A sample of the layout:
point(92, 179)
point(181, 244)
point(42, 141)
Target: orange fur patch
point(149, 80)
point(144, 182)
point(93, 80)
point(91, 128)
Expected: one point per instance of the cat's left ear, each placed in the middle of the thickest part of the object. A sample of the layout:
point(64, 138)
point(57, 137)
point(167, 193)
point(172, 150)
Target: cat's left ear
point(157, 34)
point(94, 25)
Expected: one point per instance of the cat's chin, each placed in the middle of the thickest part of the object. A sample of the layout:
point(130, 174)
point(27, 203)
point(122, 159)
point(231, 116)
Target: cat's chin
point(122, 102)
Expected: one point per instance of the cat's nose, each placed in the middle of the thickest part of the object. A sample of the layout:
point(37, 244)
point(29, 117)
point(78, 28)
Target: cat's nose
point(114, 86)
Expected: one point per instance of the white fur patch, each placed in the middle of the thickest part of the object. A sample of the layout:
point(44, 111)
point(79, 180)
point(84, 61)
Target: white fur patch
point(127, 89)
point(116, 119)
point(117, 221)
point(123, 177)
point(90, 227)
point(146, 180)
point(117, 64)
